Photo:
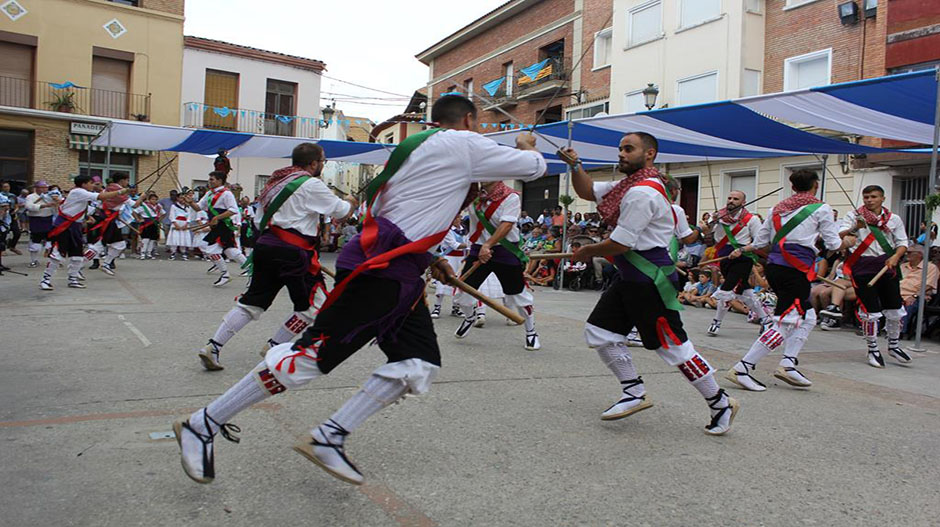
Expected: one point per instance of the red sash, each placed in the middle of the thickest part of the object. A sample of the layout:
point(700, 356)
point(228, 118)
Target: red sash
point(146, 224)
point(458, 253)
point(734, 230)
point(296, 240)
point(808, 270)
point(109, 216)
point(490, 210)
point(69, 220)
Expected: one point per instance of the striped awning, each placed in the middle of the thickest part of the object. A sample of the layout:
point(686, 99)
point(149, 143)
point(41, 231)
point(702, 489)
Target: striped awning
point(81, 142)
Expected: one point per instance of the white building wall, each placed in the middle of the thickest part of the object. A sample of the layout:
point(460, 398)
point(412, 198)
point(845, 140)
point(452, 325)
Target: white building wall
point(252, 88)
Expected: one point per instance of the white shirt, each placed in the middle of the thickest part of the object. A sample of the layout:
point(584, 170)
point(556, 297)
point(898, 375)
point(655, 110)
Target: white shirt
point(682, 223)
point(148, 213)
point(225, 202)
point(33, 202)
point(302, 210)
point(449, 243)
point(817, 224)
point(427, 191)
point(77, 202)
point(894, 232)
point(645, 221)
point(508, 210)
point(177, 212)
point(744, 236)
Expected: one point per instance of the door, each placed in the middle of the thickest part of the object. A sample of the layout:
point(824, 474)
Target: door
point(110, 82)
point(279, 108)
point(688, 197)
point(221, 99)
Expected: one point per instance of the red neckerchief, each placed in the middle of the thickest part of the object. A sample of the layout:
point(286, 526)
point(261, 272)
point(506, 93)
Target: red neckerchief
point(278, 180)
point(800, 199)
point(609, 207)
point(727, 218)
point(880, 221)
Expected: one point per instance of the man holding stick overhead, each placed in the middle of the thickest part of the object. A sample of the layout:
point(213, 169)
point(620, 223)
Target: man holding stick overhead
point(645, 297)
point(791, 231)
point(380, 283)
point(736, 228)
point(879, 241)
point(293, 200)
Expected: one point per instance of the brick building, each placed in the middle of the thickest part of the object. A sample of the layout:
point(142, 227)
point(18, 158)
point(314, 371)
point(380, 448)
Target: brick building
point(121, 60)
point(517, 57)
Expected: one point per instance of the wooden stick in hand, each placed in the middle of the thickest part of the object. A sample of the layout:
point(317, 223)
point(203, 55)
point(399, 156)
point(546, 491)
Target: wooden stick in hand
point(499, 307)
point(550, 256)
point(878, 276)
point(476, 265)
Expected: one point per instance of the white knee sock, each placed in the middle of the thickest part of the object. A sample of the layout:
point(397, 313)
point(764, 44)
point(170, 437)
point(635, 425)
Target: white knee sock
point(438, 300)
point(529, 315)
point(33, 256)
point(721, 309)
point(291, 327)
point(796, 337)
point(220, 263)
point(377, 393)
point(75, 266)
point(245, 393)
point(235, 255)
point(480, 309)
point(749, 298)
point(232, 323)
point(112, 254)
point(51, 268)
point(616, 356)
point(893, 327)
point(771, 339)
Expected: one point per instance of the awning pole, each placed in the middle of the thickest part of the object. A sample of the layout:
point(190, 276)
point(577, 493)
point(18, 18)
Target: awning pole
point(107, 157)
point(822, 181)
point(931, 189)
point(564, 211)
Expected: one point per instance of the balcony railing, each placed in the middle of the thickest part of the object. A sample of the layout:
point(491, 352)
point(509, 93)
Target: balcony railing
point(70, 98)
point(199, 115)
point(553, 71)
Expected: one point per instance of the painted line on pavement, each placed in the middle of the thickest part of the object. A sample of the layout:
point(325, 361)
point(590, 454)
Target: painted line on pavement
point(140, 336)
point(69, 419)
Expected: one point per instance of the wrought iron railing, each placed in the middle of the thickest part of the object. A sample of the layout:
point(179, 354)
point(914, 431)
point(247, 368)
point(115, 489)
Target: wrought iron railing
point(555, 69)
point(71, 98)
point(199, 115)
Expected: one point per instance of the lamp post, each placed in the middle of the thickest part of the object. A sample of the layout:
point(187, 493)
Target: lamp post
point(649, 95)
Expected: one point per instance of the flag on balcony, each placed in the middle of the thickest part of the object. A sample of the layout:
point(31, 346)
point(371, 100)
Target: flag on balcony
point(493, 86)
point(222, 112)
point(536, 71)
point(64, 85)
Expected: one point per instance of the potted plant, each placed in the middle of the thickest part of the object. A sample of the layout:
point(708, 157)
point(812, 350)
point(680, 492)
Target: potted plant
point(63, 102)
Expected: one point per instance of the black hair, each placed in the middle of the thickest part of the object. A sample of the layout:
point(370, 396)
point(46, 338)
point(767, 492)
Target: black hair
point(803, 179)
point(221, 176)
point(306, 153)
point(450, 109)
point(120, 176)
point(81, 179)
point(873, 188)
point(649, 142)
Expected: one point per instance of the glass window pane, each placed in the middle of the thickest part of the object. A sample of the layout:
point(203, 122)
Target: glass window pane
point(694, 11)
point(645, 24)
point(810, 73)
point(746, 183)
point(634, 102)
point(750, 84)
point(698, 90)
point(14, 143)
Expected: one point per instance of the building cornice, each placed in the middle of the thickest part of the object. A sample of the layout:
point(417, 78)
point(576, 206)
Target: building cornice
point(227, 48)
point(480, 25)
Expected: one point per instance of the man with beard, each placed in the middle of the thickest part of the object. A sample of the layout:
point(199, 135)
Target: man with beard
point(645, 296)
point(879, 241)
point(736, 228)
point(285, 255)
point(495, 239)
point(792, 229)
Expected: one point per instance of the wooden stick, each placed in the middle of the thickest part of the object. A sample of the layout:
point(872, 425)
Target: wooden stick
point(500, 308)
point(706, 262)
point(878, 276)
point(830, 282)
point(476, 265)
point(550, 256)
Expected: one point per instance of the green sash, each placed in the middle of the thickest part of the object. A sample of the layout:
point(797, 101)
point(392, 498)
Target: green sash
point(791, 224)
point(674, 249)
point(272, 208)
point(734, 243)
point(881, 239)
point(514, 248)
point(659, 276)
point(227, 221)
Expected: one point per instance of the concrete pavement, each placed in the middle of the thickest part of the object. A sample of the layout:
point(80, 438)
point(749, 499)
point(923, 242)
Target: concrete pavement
point(505, 437)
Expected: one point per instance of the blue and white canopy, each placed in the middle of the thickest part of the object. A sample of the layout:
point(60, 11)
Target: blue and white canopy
point(899, 107)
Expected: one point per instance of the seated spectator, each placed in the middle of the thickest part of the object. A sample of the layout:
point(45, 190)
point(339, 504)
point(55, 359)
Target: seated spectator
point(524, 219)
point(911, 275)
point(835, 299)
point(700, 290)
point(544, 272)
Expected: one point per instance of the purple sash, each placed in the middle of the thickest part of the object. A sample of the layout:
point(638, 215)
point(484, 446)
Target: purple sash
point(501, 255)
point(657, 256)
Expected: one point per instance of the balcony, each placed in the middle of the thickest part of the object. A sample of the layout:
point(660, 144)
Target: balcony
point(541, 77)
point(499, 98)
point(199, 115)
point(70, 98)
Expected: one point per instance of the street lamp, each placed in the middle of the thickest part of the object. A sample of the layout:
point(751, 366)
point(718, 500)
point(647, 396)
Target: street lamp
point(327, 116)
point(649, 95)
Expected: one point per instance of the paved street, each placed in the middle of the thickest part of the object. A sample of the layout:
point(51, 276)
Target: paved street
point(505, 437)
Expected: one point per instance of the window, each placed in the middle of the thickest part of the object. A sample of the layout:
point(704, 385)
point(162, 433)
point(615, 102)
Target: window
point(692, 12)
point(508, 72)
point(278, 103)
point(602, 46)
point(644, 23)
point(750, 83)
point(787, 170)
point(697, 90)
point(807, 71)
point(16, 74)
point(390, 138)
point(744, 181)
point(752, 6)
point(590, 111)
point(15, 152)
point(134, 3)
point(110, 79)
point(260, 181)
point(221, 95)
point(468, 88)
point(798, 3)
point(634, 102)
point(120, 164)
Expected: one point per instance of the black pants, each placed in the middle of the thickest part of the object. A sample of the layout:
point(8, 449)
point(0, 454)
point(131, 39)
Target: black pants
point(150, 232)
point(509, 276)
point(790, 286)
point(267, 277)
point(737, 274)
point(367, 299)
point(625, 305)
point(885, 294)
point(15, 232)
